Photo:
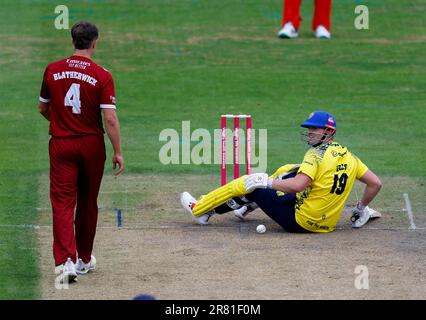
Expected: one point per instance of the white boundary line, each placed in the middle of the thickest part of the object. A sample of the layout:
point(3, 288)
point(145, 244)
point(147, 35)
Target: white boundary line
point(409, 211)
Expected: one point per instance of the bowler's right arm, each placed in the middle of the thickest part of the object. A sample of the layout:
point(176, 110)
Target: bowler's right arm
point(112, 127)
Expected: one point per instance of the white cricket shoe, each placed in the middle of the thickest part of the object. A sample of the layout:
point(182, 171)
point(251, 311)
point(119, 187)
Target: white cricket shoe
point(288, 31)
point(374, 213)
point(322, 33)
point(67, 271)
point(242, 212)
point(83, 268)
point(188, 202)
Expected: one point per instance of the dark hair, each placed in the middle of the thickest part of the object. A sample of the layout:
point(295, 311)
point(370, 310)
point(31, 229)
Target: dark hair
point(83, 33)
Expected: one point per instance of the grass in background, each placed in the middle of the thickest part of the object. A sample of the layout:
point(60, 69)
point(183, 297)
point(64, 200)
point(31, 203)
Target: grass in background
point(193, 60)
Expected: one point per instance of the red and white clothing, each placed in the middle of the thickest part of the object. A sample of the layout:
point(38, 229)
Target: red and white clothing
point(322, 13)
point(76, 90)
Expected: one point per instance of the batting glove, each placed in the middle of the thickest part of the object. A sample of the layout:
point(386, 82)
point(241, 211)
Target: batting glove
point(257, 181)
point(360, 215)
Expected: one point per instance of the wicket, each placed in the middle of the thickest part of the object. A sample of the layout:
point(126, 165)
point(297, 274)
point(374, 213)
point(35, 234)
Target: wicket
point(236, 145)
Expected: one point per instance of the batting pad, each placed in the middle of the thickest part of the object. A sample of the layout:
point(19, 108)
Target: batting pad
point(219, 196)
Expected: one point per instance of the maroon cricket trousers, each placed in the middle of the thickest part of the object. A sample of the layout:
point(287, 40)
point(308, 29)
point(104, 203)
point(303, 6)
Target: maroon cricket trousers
point(322, 13)
point(76, 170)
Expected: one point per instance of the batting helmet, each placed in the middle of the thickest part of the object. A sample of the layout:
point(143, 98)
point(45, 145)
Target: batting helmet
point(320, 119)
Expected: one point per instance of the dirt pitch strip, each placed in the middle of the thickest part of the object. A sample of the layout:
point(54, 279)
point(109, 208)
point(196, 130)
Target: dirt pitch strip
point(161, 252)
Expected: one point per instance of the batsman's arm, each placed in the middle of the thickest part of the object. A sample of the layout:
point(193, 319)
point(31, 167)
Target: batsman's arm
point(372, 188)
point(291, 185)
point(112, 127)
point(44, 109)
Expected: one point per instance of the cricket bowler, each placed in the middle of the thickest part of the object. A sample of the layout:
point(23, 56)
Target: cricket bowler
point(76, 93)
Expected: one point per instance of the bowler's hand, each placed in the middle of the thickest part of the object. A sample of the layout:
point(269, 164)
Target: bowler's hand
point(117, 159)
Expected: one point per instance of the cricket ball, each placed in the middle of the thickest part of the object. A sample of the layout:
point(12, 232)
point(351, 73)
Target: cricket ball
point(260, 228)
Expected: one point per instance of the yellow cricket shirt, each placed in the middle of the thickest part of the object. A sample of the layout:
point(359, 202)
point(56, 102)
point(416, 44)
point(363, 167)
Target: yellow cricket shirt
point(333, 170)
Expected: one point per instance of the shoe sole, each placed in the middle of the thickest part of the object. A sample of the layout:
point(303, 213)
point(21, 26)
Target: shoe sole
point(286, 37)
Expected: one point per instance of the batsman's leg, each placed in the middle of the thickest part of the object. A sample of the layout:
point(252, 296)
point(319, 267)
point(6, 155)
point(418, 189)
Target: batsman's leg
point(219, 196)
point(232, 204)
point(279, 207)
point(241, 206)
point(235, 188)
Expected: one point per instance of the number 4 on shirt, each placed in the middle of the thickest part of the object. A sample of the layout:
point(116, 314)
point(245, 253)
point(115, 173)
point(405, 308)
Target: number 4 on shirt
point(72, 98)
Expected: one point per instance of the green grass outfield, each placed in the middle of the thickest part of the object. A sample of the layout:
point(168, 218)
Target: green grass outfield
point(193, 60)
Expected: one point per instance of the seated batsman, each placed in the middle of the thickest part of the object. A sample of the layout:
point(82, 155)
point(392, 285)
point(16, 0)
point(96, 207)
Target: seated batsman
point(306, 197)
